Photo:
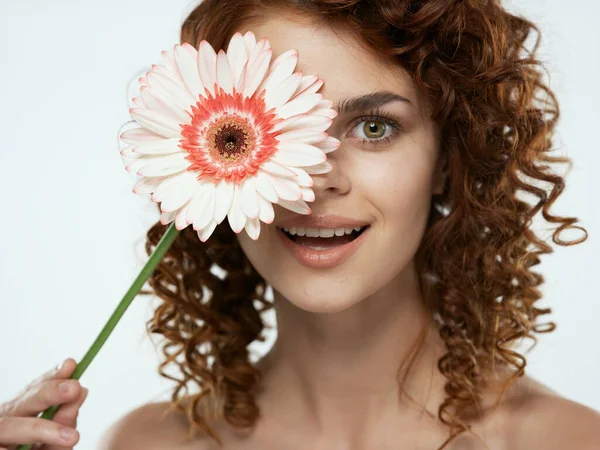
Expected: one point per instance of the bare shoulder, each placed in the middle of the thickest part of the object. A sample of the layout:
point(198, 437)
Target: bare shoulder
point(152, 426)
point(540, 418)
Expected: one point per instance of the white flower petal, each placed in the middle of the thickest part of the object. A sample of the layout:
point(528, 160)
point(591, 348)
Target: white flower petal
point(286, 189)
point(308, 194)
point(265, 188)
point(156, 122)
point(248, 198)
point(281, 68)
point(180, 222)
point(279, 124)
point(264, 44)
point(299, 207)
point(278, 96)
point(237, 56)
point(239, 87)
point(143, 81)
point(325, 112)
point(302, 178)
point(165, 108)
point(137, 101)
point(224, 195)
point(323, 108)
point(329, 145)
point(187, 64)
point(299, 105)
point(266, 213)
point(322, 168)
point(307, 80)
point(196, 202)
point(158, 91)
point(253, 228)
point(235, 216)
point(172, 88)
point(173, 186)
point(303, 135)
point(169, 62)
point(201, 210)
point(174, 76)
point(287, 59)
point(141, 161)
point(260, 47)
point(298, 155)
point(301, 149)
point(206, 232)
point(207, 66)
point(250, 41)
point(310, 84)
point(277, 169)
point(136, 135)
point(162, 147)
point(167, 217)
point(302, 122)
point(147, 185)
point(165, 165)
point(128, 152)
point(224, 75)
point(175, 198)
point(256, 72)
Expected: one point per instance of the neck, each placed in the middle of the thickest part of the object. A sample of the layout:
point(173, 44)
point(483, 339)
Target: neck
point(339, 372)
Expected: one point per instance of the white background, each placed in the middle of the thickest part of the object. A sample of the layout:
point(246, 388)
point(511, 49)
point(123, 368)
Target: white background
point(71, 230)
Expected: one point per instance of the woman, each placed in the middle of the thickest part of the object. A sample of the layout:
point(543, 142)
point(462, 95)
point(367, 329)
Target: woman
point(403, 339)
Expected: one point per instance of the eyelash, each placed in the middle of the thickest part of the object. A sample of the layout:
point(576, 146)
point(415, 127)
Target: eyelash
point(388, 119)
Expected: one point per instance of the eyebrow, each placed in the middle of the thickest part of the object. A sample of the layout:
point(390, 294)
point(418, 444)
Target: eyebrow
point(369, 101)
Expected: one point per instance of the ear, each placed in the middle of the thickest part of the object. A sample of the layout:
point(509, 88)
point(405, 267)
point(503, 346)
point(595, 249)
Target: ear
point(440, 174)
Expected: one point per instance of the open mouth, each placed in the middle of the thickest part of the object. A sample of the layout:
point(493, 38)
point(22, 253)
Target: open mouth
point(322, 239)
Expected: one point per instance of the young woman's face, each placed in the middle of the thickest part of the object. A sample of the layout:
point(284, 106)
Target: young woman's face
point(384, 174)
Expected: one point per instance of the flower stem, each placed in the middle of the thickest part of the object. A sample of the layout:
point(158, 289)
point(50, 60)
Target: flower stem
point(157, 255)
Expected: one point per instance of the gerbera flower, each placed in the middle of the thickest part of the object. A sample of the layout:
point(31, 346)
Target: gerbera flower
point(228, 134)
point(225, 134)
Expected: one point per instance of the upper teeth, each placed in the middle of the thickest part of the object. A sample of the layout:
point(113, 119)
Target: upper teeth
point(321, 232)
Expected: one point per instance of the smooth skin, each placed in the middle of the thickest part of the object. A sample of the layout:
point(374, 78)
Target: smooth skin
point(19, 423)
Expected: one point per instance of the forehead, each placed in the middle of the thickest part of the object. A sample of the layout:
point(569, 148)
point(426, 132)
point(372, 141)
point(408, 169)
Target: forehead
point(339, 58)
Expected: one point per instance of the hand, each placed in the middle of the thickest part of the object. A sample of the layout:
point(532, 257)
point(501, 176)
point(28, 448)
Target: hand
point(19, 423)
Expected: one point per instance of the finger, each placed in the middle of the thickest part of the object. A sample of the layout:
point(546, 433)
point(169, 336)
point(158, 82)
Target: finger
point(62, 371)
point(67, 415)
point(44, 395)
point(26, 430)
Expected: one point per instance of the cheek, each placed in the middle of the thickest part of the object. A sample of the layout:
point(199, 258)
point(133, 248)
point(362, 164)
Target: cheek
point(399, 188)
point(259, 252)
point(265, 255)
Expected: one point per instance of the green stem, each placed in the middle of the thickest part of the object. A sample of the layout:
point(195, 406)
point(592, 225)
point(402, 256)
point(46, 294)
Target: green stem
point(157, 255)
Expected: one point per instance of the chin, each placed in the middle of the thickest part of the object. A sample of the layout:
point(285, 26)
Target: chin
point(318, 299)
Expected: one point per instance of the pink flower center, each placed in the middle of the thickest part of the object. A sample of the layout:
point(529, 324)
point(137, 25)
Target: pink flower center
point(229, 136)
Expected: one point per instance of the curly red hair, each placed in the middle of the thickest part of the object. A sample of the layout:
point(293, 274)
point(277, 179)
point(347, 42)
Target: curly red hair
point(497, 119)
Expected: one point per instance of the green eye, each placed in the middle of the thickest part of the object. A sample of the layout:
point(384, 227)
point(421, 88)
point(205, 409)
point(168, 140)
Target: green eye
point(374, 129)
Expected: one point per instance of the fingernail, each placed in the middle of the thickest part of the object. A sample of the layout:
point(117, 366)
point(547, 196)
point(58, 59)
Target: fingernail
point(60, 366)
point(66, 433)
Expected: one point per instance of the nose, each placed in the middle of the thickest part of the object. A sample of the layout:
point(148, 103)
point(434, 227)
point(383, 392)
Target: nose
point(334, 182)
